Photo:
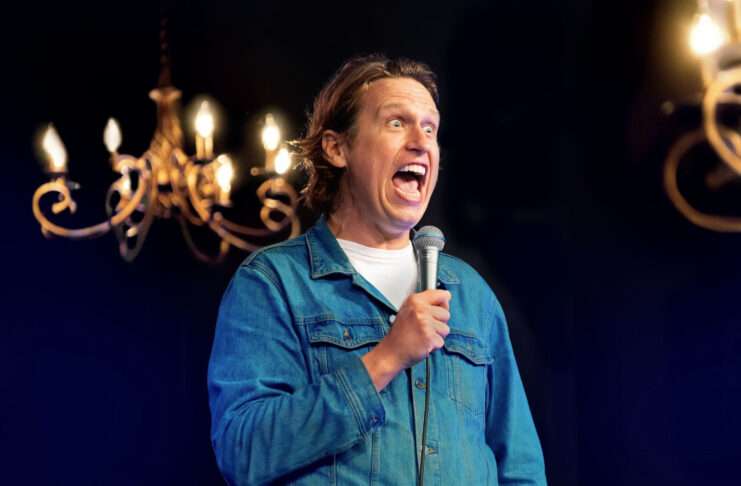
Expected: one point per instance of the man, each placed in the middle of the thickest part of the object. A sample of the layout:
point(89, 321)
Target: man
point(317, 373)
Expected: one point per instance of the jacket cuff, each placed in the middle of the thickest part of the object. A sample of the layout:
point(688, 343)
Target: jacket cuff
point(365, 402)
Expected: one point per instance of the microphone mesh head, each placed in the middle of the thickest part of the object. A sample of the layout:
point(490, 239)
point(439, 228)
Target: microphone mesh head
point(429, 236)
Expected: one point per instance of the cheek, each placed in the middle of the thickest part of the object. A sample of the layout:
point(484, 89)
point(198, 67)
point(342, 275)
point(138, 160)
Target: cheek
point(435, 174)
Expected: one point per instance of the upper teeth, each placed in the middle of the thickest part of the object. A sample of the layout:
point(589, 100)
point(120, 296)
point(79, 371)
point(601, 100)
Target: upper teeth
point(415, 168)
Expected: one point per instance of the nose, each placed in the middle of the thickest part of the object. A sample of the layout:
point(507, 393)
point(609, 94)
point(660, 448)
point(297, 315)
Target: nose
point(418, 140)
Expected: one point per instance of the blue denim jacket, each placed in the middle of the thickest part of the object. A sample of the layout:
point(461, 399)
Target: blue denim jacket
point(292, 402)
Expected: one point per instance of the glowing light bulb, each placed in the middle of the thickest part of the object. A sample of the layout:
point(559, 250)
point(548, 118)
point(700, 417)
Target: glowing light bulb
point(126, 182)
point(112, 135)
point(204, 120)
point(54, 147)
point(282, 161)
point(270, 134)
point(705, 36)
point(224, 173)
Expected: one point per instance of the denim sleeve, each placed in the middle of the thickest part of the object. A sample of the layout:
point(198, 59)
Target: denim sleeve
point(510, 431)
point(268, 420)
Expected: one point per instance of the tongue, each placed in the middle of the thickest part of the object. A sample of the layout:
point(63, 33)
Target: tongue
point(406, 182)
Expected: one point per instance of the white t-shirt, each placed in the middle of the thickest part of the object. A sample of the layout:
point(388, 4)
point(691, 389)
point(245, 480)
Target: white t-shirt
point(392, 272)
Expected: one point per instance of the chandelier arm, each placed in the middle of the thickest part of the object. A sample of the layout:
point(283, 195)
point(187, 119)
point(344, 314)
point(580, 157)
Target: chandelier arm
point(184, 207)
point(723, 81)
point(248, 231)
point(231, 238)
point(711, 222)
point(123, 164)
point(129, 253)
point(274, 186)
point(225, 229)
point(724, 98)
point(200, 205)
point(270, 204)
point(267, 210)
point(82, 233)
point(181, 199)
point(137, 231)
point(223, 244)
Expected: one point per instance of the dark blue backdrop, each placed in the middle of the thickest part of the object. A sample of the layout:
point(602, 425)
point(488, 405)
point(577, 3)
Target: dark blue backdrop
point(624, 317)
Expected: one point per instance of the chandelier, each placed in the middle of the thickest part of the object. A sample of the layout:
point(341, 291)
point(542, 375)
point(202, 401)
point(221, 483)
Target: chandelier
point(164, 182)
point(719, 52)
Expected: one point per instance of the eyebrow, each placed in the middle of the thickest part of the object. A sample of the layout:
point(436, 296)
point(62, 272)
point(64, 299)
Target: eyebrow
point(396, 104)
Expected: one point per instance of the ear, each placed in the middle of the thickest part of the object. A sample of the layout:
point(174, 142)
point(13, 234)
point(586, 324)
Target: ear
point(334, 148)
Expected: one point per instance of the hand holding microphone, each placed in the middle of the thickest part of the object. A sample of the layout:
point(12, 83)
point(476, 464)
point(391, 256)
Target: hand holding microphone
point(420, 326)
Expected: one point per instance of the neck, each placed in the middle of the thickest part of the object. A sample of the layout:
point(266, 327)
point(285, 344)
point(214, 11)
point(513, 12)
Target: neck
point(344, 226)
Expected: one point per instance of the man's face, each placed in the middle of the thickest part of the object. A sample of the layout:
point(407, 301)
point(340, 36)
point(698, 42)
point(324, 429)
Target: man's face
point(392, 163)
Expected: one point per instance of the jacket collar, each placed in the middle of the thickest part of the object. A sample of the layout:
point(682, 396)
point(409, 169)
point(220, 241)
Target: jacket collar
point(327, 258)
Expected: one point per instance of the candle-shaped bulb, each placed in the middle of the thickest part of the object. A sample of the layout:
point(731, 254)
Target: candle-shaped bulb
point(126, 182)
point(112, 135)
point(705, 36)
point(270, 134)
point(282, 161)
point(224, 173)
point(204, 120)
point(55, 150)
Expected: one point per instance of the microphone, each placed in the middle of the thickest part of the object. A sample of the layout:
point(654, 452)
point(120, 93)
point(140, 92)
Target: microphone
point(428, 242)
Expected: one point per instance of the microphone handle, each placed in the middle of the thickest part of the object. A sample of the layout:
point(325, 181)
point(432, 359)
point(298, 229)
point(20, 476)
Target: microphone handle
point(428, 258)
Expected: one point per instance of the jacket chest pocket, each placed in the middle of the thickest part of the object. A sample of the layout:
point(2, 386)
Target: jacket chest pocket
point(467, 358)
point(333, 342)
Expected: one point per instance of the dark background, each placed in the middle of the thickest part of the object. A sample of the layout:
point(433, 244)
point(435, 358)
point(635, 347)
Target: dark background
point(624, 316)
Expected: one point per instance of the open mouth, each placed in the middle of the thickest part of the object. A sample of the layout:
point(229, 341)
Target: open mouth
point(409, 180)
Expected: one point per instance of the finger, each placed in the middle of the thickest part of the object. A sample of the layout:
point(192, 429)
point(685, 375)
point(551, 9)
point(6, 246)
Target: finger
point(442, 330)
point(439, 313)
point(437, 297)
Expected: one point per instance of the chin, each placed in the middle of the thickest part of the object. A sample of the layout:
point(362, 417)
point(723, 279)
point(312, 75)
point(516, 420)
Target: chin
point(409, 221)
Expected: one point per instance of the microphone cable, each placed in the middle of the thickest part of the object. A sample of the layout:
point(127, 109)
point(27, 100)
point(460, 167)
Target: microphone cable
point(424, 424)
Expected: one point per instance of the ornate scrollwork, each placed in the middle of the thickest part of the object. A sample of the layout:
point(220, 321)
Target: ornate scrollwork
point(725, 141)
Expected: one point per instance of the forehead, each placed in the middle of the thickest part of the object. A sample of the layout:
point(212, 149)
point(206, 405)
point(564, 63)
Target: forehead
point(407, 93)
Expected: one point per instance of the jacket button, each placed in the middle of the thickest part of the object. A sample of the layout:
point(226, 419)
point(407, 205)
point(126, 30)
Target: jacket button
point(392, 318)
point(420, 383)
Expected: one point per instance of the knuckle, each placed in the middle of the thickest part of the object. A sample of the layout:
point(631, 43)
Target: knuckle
point(427, 333)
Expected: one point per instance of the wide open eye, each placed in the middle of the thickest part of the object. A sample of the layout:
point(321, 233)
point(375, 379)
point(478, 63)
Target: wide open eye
point(395, 123)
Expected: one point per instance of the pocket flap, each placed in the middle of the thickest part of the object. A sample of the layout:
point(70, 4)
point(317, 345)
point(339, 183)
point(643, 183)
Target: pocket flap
point(469, 346)
point(344, 335)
